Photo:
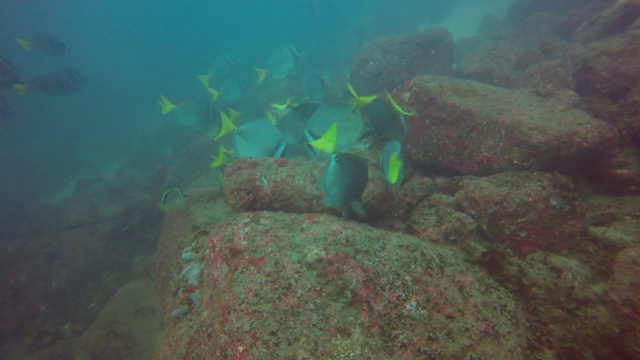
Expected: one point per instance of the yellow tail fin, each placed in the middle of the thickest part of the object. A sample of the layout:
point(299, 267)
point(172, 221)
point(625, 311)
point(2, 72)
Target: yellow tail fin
point(394, 168)
point(262, 74)
point(398, 108)
point(221, 159)
point(20, 89)
point(27, 45)
point(166, 106)
point(233, 114)
point(214, 93)
point(272, 118)
point(362, 100)
point(227, 125)
point(327, 142)
point(205, 80)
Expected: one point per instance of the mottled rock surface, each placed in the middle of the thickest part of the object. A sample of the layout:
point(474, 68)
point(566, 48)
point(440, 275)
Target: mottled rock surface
point(388, 62)
point(476, 128)
point(277, 286)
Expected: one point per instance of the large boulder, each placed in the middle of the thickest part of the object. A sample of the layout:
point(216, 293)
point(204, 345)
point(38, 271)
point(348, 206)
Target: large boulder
point(285, 286)
point(480, 129)
point(526, 212)
point(387, 62)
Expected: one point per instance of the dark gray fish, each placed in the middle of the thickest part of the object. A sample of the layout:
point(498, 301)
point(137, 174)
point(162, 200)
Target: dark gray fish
point(343, 180)
point(58, 83)
point(5, 111)
point(386, 121)
point(8, 74)
point(48, 44)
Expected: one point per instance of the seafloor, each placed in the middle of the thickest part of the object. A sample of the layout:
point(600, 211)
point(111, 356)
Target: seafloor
point(516, 234)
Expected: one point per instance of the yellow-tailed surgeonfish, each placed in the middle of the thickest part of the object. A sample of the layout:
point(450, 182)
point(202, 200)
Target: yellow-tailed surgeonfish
point(347, 116)
point(282, 62)
point(392, 164)
point(220, 160)
point(254, 139)
point(385, 121)
point(262, 74)
point(59, 82)
point(166, 106)
point(44, 42)
point(345, 176)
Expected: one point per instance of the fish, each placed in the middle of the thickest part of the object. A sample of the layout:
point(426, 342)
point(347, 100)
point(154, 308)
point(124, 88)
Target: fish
point(347, 116)
point(171, 199)
point(8, 75)
point(254, 139)
point(59, 82)
point(344, 178)
point(262, 74)
point(193, 111)
point(166, 106)
point(392, 164)
point(6, 111)
point(220, 160)
point(385, 121)
point(282, 62)
point(44, 42)
point(223, 66)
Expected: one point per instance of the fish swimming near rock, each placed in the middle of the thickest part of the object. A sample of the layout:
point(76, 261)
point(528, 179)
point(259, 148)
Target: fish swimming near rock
point(344, 178)
point(282, 62)
point(347, 117)
point(385, 121)
point(60, 82)
point(44, 42)
point(254, 139)
point(392, 164)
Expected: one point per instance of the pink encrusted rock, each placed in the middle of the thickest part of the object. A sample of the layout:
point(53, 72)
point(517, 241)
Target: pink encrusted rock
point(388, 62)
point(525, 211)
point(609, 68)
point(292, 186)
point(624, 287)
point(288, 286)
point(479, 129)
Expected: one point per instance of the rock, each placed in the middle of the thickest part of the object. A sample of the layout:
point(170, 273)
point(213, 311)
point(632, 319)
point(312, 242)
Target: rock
point(386, 63)
point(615, 18)
point(127, 328)
point(624, 287)
point(617, 171)
point(511, 207)
point(292, 186)
point(609, 68)
point(284, 286)
point(476, 128)
point(436, 220)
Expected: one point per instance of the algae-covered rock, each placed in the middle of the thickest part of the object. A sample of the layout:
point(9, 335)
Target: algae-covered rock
point(284, 286)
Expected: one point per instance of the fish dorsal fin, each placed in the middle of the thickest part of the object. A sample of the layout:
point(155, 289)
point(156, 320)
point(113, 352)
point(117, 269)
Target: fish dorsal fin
point(26, 45)
point(327, 142)
point(227, 125)
point(360, 100)
point(395, 164)
point(397, 107)
point(166, 106)
point(205, 80)
point(262, 74)
point(214, 93)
